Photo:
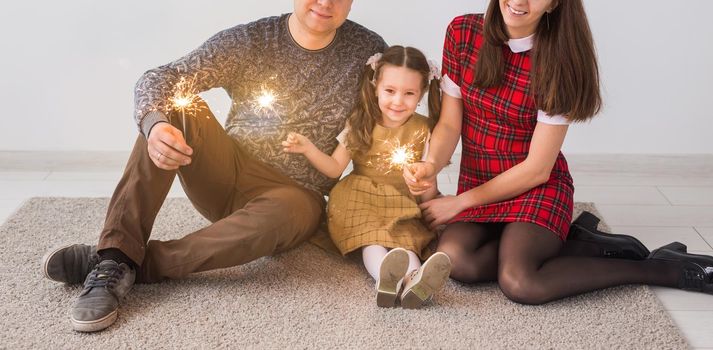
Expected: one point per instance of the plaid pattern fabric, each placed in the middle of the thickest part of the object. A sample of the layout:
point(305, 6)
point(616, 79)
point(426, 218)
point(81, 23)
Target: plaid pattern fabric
point(498, 124)
point(372, 205)
point(363, 212)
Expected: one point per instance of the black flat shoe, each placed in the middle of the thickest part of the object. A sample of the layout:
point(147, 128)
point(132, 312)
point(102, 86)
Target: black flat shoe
point(675, 246)
point(696, 270)
point(587, 220)
point(584, 228)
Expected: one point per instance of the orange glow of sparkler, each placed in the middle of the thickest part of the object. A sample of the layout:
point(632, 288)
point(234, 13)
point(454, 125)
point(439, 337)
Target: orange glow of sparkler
point(184, 95)
point(401, 156)
point(185, 99)
point(265, 101)
point(398, 155)
point(181, 102)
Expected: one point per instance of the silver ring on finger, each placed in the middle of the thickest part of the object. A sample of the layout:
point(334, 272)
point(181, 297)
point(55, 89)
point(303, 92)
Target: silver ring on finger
point(158, 158)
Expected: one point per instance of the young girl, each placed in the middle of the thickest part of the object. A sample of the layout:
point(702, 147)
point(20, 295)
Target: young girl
point(513, 81)
point(372, 208)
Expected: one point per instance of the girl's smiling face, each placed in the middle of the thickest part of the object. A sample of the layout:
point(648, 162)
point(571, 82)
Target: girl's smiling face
point(398, 91)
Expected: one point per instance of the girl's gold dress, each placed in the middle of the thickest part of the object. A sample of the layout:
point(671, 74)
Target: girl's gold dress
point(372, 205)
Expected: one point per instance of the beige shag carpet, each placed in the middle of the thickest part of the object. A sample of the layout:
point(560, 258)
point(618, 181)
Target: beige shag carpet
point(306, 298)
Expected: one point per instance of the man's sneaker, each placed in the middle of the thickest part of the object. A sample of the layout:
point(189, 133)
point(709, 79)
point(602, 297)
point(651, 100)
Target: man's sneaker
point(70, 263)
point(97, 305)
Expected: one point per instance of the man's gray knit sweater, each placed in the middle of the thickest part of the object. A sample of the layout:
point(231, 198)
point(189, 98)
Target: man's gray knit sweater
point(314, 91)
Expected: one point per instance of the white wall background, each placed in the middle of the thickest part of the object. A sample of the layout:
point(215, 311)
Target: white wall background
point(69, 67)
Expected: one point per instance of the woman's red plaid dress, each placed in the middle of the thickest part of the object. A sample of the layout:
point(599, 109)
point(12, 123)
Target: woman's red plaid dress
point(498, 124)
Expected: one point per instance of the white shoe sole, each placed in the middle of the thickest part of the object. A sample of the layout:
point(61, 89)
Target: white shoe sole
point(96, 325)
point(392, 271)
point(429, 279)
point(46, 258)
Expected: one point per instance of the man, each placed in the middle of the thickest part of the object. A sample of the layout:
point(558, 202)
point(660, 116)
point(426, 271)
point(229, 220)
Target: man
point(296, 72)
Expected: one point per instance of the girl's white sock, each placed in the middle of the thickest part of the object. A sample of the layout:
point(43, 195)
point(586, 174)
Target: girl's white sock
point(372, 256)
point(414, 263)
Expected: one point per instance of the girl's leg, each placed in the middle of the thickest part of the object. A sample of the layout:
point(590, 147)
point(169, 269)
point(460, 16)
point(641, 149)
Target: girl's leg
point(531, 271)
point(388, 270)
point(413, 262)
point(372, 256)
point(473, 250)
point(421, 284)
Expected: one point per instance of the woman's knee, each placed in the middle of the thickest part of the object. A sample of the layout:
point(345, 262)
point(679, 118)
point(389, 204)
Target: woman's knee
point(521, 286)
point(458, 266)
point(463, 266)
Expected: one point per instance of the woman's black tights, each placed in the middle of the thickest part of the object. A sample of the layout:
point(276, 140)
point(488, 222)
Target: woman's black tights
point(527, 262)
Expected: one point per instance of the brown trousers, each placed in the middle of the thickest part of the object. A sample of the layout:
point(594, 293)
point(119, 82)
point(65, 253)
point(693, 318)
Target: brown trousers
point(255, 210)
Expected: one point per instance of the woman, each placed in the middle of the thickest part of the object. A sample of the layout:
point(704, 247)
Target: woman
point(513, 81)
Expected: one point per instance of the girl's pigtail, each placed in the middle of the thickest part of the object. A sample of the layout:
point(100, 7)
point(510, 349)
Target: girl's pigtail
point(434, 101)
point(365, 114)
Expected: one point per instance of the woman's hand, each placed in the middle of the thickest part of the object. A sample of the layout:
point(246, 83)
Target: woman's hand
point(296, 143)
point(419, 177)
point(167, 148)
point(438, 211)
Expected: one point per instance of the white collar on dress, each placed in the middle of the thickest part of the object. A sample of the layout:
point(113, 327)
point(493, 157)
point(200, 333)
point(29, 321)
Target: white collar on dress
point(522, 44)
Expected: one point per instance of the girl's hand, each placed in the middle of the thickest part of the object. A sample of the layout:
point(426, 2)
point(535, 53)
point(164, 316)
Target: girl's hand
point(440, 210)
point(419, 177)
point(296, 143)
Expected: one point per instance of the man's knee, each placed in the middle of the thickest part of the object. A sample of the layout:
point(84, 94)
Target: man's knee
point(285, 211)
point(294, 202)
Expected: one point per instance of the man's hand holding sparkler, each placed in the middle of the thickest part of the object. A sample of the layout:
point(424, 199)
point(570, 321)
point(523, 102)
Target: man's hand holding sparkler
point(167, 148)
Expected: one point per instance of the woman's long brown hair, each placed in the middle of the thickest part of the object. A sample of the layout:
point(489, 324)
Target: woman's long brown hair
point(564, 75)
point(366, 114)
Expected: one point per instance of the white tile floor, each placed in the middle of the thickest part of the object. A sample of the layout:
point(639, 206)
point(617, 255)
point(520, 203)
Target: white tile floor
point(656, 198)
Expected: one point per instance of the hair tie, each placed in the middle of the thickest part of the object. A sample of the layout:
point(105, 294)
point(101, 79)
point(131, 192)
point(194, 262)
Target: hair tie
point(433, 71)
point(373, 60)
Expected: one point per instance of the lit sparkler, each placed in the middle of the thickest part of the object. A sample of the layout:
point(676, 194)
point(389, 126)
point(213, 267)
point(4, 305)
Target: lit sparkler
point(185, 100)
point(401, 156)
point(265, 101)
point(398, 155)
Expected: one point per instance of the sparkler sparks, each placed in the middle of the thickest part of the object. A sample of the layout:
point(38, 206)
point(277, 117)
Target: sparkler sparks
point(401, 156)
point(266, 99)
point(185, 100)
point(398, 155)
point(265, 102)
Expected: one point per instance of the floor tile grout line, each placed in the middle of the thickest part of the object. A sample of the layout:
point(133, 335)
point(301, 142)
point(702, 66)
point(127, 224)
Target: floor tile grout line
point(703, 238)
point(664, 196)
point(663, 205)
point(696, 311)
point(627, 185)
